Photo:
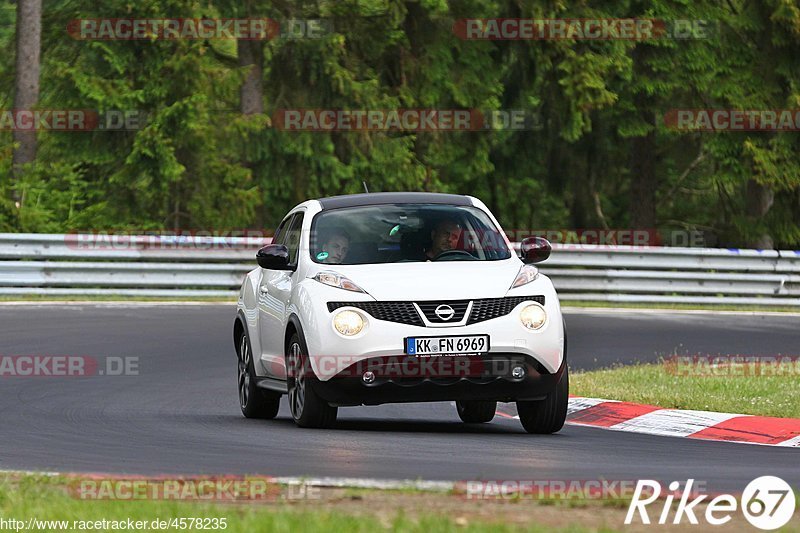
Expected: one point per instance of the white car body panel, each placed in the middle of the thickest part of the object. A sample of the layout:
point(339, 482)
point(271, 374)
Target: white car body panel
point(269, 298)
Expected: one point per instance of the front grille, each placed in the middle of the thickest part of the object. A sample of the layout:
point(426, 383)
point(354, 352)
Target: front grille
point(489, 308)
point(405, 313)
point(459, 307)
point(401, 312)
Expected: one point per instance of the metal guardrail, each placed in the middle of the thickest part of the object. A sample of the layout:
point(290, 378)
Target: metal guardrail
point(676, 275)
point(158, 266)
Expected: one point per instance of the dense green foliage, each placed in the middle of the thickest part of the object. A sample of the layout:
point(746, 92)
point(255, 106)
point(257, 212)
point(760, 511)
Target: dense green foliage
point(603, 158)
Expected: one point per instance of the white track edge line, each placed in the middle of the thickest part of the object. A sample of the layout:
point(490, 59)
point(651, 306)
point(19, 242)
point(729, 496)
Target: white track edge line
point(327, 482)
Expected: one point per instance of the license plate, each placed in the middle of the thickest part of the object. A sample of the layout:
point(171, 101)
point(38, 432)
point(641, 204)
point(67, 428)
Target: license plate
point(453, 344)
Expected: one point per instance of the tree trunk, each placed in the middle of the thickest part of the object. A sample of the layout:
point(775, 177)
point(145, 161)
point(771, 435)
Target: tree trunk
point(643, 182)
point(251, 102)
point(251, 54)
point(758, 203)
point(26, 83)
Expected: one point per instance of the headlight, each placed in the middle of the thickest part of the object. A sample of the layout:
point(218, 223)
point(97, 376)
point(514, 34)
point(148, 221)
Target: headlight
point(533, 316)
point(335, 279)
point(526, 274)
point(348, 323)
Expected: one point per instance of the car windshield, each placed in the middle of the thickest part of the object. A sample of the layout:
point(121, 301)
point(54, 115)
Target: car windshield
point(405, 233)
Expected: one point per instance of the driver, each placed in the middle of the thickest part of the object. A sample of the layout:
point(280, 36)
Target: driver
point(444, 237)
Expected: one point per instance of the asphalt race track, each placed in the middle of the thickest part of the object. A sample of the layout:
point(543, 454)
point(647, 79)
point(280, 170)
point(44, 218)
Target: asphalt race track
point(181, 414)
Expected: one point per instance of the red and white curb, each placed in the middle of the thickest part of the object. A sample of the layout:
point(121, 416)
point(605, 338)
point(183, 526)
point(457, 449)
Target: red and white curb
point(705, 425)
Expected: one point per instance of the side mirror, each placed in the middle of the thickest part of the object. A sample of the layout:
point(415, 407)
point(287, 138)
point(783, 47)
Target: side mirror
point(535, 249)
point(273, 257)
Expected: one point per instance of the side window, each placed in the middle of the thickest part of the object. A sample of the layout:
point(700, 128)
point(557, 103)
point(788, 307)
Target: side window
point(293, 235)
point(280, 233)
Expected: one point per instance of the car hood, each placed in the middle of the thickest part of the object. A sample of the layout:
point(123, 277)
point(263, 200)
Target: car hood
point(442, 280)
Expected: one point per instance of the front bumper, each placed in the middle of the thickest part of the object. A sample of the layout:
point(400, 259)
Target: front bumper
point(332, 353)
point(407, 379)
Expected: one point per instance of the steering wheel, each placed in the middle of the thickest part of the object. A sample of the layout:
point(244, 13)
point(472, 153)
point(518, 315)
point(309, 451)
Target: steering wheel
point(454, 253)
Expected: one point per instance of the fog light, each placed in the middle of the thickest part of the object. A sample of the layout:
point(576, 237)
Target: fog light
point(517, 372)
point(348, 323)
point(368, 377)
point(533, 316)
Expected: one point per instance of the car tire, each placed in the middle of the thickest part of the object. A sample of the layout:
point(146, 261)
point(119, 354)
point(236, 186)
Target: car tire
point(255, 402)
point(548, 415)
point(476, 411)
point(307, 408)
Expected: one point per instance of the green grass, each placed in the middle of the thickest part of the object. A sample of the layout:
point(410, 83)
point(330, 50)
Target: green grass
point(46, 498)
point(655, 384)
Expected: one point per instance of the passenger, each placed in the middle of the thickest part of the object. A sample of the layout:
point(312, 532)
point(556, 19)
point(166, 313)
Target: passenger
point(334, 247)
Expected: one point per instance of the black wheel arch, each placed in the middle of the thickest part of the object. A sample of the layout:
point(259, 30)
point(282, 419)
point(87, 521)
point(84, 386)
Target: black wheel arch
point(239, 327)
point(294, 325)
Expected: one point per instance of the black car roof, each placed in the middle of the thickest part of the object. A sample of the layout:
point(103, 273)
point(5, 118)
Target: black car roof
point(382, 198)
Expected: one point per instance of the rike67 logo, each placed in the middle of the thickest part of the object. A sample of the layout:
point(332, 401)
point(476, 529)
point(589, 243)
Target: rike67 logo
point(768, 503)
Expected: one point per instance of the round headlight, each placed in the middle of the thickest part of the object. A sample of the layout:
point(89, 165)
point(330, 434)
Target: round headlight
point(348, 323)
point(533, 316)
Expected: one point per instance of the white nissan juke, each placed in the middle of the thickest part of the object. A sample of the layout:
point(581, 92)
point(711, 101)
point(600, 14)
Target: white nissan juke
point(400, 297)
